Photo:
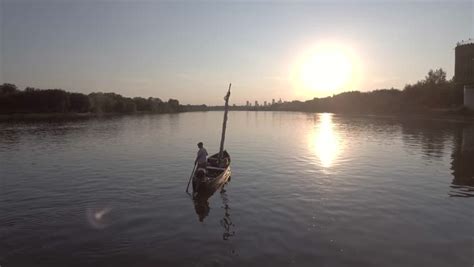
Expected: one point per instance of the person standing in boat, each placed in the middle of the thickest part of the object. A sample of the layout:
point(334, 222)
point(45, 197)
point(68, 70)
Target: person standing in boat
point(201, 159)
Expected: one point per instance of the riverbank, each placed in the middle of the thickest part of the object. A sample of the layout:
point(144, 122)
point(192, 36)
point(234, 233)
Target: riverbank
point(458, 114)
point(65, 116)
point(451, 115)
point(414, 116)
point(43, 116)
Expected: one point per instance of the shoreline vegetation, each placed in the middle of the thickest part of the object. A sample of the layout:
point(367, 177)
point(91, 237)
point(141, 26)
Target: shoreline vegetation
point(33, 103)
point(434, 96)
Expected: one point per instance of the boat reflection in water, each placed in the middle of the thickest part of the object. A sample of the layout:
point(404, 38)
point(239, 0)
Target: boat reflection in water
point(462, 163)
point(201, 206)
point(226, 221)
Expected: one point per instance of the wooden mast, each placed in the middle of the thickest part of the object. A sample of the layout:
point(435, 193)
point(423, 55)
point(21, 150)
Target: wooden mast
point(224, 124)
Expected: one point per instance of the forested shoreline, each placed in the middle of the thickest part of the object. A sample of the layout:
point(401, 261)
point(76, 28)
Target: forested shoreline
point(433, 93)
point(54, 101)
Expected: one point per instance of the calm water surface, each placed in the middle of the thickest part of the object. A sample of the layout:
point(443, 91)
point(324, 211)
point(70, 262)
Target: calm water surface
point(306, 190)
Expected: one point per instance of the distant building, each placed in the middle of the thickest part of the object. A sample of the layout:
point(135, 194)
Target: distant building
point(256, 103)
point(279, 101)
point(273, 101)
point(464, 70)
point(248, 103)
point(264, 103)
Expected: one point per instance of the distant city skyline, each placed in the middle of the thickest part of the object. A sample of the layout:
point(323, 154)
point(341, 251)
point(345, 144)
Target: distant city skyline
point(190, 51)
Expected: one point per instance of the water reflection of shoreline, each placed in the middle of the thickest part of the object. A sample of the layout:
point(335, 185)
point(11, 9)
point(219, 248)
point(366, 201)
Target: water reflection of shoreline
point(431, 137)
point(435, 140)
point(462, 163)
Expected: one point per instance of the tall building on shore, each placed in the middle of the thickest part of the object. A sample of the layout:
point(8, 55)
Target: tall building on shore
point(273, 101)
point(464, 70)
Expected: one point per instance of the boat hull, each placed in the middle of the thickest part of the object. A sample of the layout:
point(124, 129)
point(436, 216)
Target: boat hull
point(214, 179)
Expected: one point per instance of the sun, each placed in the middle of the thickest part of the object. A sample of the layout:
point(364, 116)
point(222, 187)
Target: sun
point(325, 69)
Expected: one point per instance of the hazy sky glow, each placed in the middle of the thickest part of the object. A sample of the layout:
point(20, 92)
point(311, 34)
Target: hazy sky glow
point(192, 50)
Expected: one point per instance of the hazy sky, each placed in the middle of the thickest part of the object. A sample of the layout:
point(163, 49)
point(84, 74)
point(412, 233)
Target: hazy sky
point(192, 50)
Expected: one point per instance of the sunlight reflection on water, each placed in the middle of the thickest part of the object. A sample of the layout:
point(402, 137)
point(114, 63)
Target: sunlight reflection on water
point(324, 141)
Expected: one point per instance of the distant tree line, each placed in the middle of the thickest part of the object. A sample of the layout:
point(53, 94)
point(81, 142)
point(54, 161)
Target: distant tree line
point(434, 92)
point(32, 100)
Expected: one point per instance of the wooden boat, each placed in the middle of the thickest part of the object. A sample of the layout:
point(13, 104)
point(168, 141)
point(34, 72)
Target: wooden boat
point(217, 172)
point(214, 177)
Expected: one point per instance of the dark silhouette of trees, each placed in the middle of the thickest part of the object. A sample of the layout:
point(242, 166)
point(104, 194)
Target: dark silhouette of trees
point(79, 102)
point(173, 105)
point(142, 104)
point(33, 100)
point(111, 103)
point(7, 88)
point(189, 108)
point(432, 93)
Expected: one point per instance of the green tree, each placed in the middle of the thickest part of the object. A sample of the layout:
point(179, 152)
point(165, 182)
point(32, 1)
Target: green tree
point(437, 76)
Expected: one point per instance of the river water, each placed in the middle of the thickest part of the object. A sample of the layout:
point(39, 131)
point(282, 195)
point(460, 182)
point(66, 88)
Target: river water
point(307, 190)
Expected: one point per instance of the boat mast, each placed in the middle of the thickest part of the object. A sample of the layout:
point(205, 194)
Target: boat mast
point(224, 124)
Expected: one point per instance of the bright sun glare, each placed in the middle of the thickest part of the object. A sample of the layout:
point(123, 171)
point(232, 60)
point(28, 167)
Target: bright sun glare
point(325, 69)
